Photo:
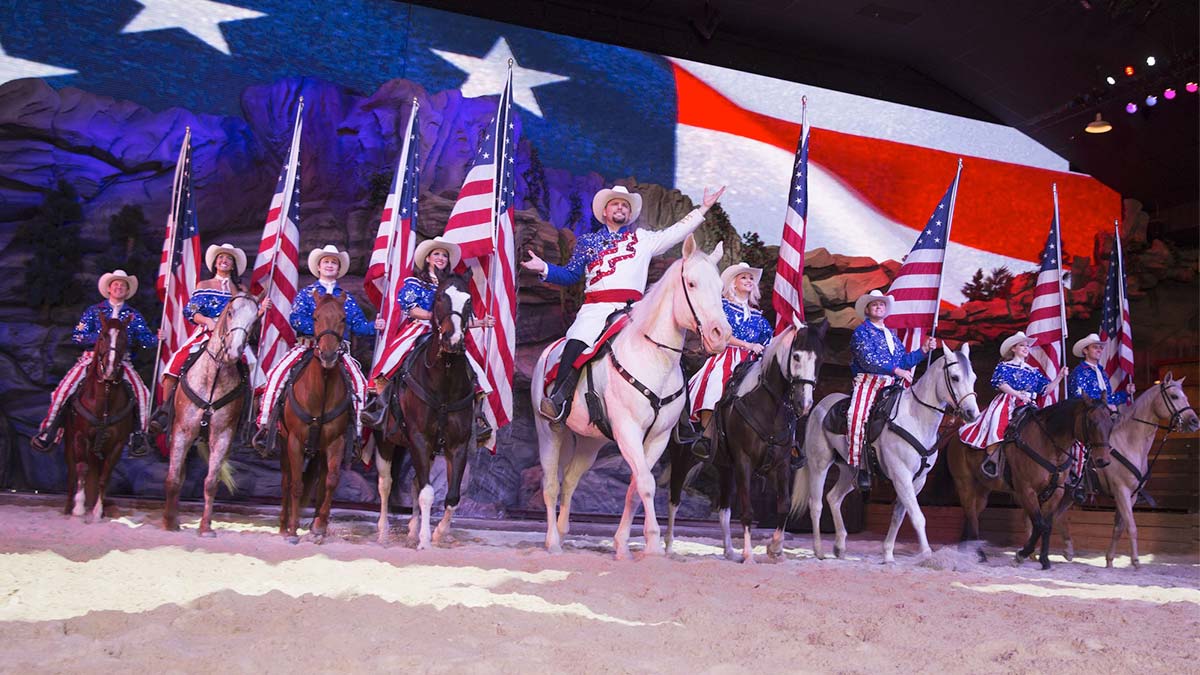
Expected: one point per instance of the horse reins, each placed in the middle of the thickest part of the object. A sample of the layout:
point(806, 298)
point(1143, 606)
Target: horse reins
point(695, 317)
point(1176, 420)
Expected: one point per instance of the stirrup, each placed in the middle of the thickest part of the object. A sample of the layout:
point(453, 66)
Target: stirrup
point(483, 429)
point(139, 444)
point(261, 440)
point(702, 449)
point(864, 479)
point(373, 414)
point(797, 460)
point(43, 441)
point(551, 409)
point(990, 468)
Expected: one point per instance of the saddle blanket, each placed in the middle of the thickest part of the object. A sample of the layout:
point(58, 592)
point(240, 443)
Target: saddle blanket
point(598, 348)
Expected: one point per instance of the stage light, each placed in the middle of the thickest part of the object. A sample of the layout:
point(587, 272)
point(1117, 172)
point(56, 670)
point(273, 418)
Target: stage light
point(1110, 79)
point(1129, 71)
point(1098, 126)
point(1150, 61)
point(1191, 87)
point(1131, 107)
point(1168, 93)
point(1151, 100)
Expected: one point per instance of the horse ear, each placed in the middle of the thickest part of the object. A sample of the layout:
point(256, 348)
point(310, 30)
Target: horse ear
point(1168, 378)
point(946, 351)
point(797, 322)
point(689, 246)
point(966, 349)
point(717, 253)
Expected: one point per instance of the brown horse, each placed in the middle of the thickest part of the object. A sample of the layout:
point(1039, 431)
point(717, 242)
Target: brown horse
point(756, 431)
point(1038, 452)
point(214, 388)
point(316, 422)
point(430, 410)
point(99, 421)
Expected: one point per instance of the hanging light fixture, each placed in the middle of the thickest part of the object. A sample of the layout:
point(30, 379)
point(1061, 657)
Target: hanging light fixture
point(1098, 126)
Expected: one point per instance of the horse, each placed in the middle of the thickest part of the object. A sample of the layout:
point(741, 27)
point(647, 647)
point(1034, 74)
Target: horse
point(430, 410)
point(756, 425)
point(317, 422)
point(1131, 441)
point(215, 393)
point(907, 449)
point(1043, 436)
point(99, 420)
point(640, 385)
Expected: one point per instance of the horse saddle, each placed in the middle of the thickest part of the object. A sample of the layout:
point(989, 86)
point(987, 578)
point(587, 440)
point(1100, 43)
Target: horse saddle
point(612, 327)
point(883, 410)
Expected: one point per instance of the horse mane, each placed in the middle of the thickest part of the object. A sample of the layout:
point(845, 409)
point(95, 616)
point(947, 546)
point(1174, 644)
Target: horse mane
point(1059, 418)
point(773, 349)
point(644, 308)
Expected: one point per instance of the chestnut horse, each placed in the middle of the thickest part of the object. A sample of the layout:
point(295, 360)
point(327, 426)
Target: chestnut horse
point(317, 422)
point(1038, 452)
point(215, 390)
point(99, 421)
point(430, 410)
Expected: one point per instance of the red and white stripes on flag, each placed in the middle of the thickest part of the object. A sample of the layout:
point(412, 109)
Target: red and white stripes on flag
point(395, 242)
point(276, 268)
point(481, 223)
point(917, 288)
point(1047, 316)
point(179, 266)
point(788, 296)
point(1115, 331)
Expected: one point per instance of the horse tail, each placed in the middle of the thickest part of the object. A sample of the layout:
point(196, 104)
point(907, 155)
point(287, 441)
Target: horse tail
point(224, 472)
point(799, 493)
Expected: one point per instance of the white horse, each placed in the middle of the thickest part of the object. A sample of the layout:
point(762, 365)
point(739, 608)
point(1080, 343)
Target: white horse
point(947, 385)
point(641, 371)
point(1131, 441)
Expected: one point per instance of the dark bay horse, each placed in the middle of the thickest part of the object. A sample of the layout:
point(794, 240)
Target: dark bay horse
point(214, 394)
point(430, 410)
point(316, 422)
point(756, 431)
point(1039, 457)
point(99, 421)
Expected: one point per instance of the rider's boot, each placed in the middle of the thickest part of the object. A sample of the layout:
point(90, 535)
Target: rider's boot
point(557, 405)
point(158, 418)
point(263, 436)
point(702, 447)
point(376, 408)
point(990, 467)
point(864, 477)
point(46, 438)
point(483, 428)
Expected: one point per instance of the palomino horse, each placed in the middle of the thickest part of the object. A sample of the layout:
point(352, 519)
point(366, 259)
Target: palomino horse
point(1131, 440)
point(317, 422)
point(430, 410)
point(1045, 438)
point(947, 386)
point(99, 421)
point(214, 391)
point(641, 387)
point(756, 430)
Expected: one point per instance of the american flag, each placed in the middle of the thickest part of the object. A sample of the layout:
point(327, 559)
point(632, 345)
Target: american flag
point(481, 223)
point(917, 287)
point(788, 297)
point(277, 266)
point(395, 241)
point(179, 266)
point(1047, 320)
point(1114, 329)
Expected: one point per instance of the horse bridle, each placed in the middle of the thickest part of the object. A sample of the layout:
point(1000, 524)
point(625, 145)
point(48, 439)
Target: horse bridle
point(465, 315)
point(1176, 415)
point(956, 409)
point(692, 308)
point(231, 331)
point(1087, 420)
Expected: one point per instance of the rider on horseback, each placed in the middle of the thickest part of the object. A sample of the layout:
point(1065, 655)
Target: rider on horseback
point(415, 299)
point(1019, 385)
point(878, 359)
point(1088, 379)
point(327, 265)
point(116, 287)
point(227, 263)
point(613, 262)
point(751, 335)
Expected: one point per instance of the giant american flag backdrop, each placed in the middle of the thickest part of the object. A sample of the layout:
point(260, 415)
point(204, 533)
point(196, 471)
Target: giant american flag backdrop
point(874, 167)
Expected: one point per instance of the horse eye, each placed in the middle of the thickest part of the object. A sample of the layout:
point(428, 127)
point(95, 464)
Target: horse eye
point(691, 284)
point(954, 378)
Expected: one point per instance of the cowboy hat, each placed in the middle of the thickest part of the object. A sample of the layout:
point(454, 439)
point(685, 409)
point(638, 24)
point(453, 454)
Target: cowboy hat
point(860, 305)
point(1013, 340)
point(330, 251)
point(1089, 340)
point(238, 255)
point(606, 195)
point(426, 247)
point(736, 269)
point(117, 275)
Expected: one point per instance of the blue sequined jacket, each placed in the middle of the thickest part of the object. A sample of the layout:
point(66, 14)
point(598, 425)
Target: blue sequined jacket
point(416, 293)
point(871, 354)
point(88, 328)
point(1088, 381)
point(1028, 380)
point(751, 328)
point(304, 306)
point(207, 302)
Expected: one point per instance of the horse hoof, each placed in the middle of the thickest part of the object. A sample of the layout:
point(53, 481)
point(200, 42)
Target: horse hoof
point(171, 525)
point(1045, 565)
point(318, 539)
point(982, 556)
point(839, 552)
point(292, 539)
point(208, 534)
point(1137, 565)
point(554, 548)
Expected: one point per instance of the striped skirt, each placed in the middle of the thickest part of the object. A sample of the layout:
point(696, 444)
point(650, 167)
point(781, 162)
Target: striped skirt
point(708, 384)
point(989, 427)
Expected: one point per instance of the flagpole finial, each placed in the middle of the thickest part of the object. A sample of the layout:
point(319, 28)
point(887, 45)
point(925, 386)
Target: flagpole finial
point(960, 162)
point(510, 63)
point(416, 103)
point(803, 100)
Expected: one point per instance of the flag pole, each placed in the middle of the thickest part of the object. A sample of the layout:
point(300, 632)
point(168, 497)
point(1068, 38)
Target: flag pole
point(1062, 297)
point(172, 231)
point(286, 203)
point(1120, 263)
point(388, 302)
point(501, 143)
point(937, 305)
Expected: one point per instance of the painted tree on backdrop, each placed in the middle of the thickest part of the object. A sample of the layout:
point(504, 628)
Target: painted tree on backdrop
point(52, 233)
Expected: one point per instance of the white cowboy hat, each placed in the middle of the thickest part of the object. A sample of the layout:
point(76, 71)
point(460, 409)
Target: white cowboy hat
point(426, 247)
point(117, 275)
point(1013, 340)
point(860, 305)
point(1091, 339)
point(238, 255)
point(606, 195)
point(736, 269)
point(330, 251)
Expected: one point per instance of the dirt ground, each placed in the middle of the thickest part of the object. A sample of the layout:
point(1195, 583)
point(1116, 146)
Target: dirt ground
point(124, 594)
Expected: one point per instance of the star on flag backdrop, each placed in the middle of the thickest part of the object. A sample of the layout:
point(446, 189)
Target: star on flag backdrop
point(874, 167)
